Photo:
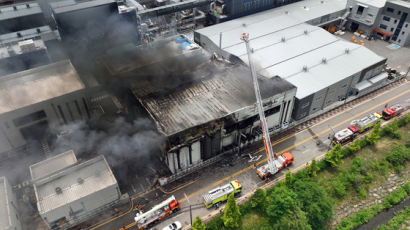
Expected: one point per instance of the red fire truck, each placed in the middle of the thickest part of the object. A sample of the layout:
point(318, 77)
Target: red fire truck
point(157, 213)
point(392, 111)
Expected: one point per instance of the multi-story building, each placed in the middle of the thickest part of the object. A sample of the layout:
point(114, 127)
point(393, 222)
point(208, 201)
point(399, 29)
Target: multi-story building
point(394, 24)
point(364, 14)
point(32, 100)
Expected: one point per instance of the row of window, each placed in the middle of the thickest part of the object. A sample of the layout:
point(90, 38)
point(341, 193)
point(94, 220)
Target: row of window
point(391, 29)
point(391, 10)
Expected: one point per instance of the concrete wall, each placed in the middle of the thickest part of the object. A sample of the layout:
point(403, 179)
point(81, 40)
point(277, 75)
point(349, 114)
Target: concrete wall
point(367, 17)
point(60, 110)
point(84, 207)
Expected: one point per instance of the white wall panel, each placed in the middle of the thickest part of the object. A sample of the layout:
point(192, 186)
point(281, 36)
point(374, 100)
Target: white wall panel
point(196, 152)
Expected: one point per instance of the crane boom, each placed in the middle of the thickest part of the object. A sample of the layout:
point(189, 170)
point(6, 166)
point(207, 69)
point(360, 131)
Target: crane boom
point(259, 104)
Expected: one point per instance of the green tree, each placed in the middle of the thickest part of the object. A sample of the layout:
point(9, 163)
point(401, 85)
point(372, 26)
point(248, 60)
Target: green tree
point(355, 146)
point(197, 224)
point(314, 202)
point(289, 179)
point(281, 201)
point(334, 156)
point(296, 220)
point(313, 168)
point(374, 136)
point(258, 200)
point(232, 215)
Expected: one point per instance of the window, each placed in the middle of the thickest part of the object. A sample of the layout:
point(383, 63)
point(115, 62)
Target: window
point(360, 10)
point(391, 10)
point(29, 118)
point(391, 30)
point(383, 26)
point(398, 13)
point(402, 33)
point(370, 15)
point(395, 20)
point(61, 114)
point(406, 25)
point(386, 18)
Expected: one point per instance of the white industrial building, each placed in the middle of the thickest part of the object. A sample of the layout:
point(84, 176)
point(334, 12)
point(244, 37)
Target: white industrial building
point(9, 216)
point(69, 192)
point(31, 100)
point(325, 69)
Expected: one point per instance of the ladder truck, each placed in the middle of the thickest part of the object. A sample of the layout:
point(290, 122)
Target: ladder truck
point(157, 213)
point(274, 163)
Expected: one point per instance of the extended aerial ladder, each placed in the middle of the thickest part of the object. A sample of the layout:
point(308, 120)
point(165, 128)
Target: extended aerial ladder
point(271, 166)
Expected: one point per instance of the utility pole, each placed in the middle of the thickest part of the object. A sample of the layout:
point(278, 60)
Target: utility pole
point(190, 207)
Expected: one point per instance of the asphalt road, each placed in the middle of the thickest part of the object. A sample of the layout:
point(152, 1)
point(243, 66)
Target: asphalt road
point(303, 145)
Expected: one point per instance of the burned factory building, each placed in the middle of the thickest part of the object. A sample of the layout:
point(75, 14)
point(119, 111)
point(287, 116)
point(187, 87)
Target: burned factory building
point(203, 105)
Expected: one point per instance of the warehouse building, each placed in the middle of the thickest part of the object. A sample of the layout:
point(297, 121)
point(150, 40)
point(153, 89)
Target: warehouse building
point(202, 105)
point(32, 100)
point(70, 192)
point(9, 216)
point(325, 69)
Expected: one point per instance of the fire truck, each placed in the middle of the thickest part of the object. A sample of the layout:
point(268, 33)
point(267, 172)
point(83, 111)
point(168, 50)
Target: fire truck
point(157, 213)
point(365, 123)
point(220, 194)
point(392, 111)
point(275, 163)
point(280, 162)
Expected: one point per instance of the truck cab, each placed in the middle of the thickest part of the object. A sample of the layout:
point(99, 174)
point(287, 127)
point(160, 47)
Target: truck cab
point(392, 111)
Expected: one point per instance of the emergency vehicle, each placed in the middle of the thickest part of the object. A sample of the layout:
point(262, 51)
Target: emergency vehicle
point(220, 194)
point(157, 213)
point(392, 111)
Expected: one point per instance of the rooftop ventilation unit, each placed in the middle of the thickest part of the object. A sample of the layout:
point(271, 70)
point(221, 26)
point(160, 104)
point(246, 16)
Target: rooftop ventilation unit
point(286, 12)
point(80, 180)
point(306, 32)
point(305, 68)
point(347, 51)
point(59, 190)
point(324, 60)
point(283, 39)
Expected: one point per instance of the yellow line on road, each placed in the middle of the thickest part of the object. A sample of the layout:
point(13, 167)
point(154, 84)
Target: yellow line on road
point(299, 143)
point(181, 187)
point(262, 161)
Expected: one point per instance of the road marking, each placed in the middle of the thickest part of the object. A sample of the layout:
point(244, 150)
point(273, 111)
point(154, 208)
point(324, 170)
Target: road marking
point(181, 187)
point(275, 143)
point(299, 143)
point(114, 218)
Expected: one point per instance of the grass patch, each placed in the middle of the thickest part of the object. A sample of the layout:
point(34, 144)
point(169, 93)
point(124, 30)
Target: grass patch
point(253, 220)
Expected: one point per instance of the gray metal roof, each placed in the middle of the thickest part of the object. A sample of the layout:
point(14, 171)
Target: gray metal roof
point(95, 175)
point(212, 97)
point(404, 3)
point(4, 208)
point(277, 18)
point(45, 33)
point(375, 3)
point(37, 85)
point(53, 164)
point(284, 46)
point(20, 10)
point(72, 5)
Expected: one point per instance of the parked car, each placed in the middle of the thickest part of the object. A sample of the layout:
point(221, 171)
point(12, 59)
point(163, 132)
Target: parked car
point(174, 226)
